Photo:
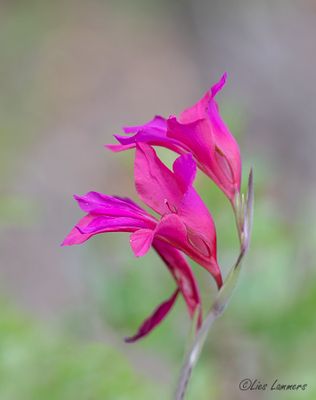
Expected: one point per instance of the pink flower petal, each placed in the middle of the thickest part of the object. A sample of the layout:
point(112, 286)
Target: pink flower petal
point(173, 230)
point(156, 185)
point(75, 236)
point(193, 137)
point(184, 169)
point(107, 214)
point(141, 241)
point(104, 223)
point(199, 110)
point(154, 132)
point(158, 315)
point(91, 225)
point(183, 275)
point(99, 203)
point(224, 164)
point(116, 148)
point(197, 218)
point(158, 123)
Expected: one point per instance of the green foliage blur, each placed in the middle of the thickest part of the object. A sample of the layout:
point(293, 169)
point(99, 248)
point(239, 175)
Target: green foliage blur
point(39, 364)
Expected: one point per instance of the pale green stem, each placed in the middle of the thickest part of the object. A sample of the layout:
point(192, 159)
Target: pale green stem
point(238, 206)
point(216, 310)
point(223, 296)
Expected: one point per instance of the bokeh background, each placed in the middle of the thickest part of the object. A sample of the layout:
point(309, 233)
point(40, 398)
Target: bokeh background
point(71, 74)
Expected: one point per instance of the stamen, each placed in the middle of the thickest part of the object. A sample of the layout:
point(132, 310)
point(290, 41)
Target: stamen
point(172, 209)
point(224, 164)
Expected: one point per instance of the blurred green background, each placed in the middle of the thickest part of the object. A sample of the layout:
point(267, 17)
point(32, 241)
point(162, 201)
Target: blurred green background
point(71, 74)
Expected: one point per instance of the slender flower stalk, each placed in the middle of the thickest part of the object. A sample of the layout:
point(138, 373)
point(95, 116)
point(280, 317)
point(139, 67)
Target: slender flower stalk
point(244, 215)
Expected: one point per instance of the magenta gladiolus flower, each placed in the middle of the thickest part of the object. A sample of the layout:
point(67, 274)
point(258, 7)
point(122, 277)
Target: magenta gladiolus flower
point(115, 214)
point(185, 221)
point(199, 130)
point(185, 224)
